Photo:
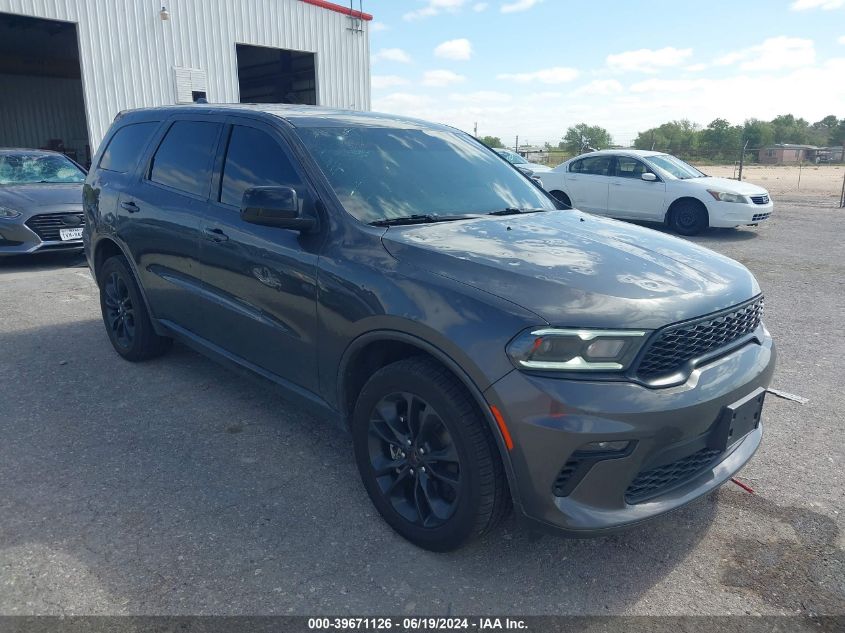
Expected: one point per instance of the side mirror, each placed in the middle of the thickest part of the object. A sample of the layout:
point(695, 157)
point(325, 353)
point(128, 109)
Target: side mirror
point(649, 177)
point(275, 206)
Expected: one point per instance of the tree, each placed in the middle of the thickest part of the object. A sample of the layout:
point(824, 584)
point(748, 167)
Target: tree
point(675, 137)
point(721, 139)
point(759, 134)
point(826, 131)
point(491, 141)
point(582, 137)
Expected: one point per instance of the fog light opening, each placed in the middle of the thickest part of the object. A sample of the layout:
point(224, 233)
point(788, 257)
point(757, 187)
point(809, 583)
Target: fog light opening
point(619, 446)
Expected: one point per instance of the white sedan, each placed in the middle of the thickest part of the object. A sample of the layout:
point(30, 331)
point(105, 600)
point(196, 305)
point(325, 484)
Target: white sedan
point(651, 186)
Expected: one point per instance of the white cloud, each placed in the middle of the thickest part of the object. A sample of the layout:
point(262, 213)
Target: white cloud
point(388, 81)
point(696, 68)
point(841, 40)
point(600, 87)
point(556, 75)
point(377, 27)
point(454, 49)
point(434, 7)
point(775, 53)
point(478, 7)
point(440, 78)
point(392, 55)
point(519, 5)
point(827, 5)
point(481, 97)
point(646, 60)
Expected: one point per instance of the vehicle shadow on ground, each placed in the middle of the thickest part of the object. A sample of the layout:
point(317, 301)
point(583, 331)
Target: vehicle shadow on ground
point(43, 261)
point(721, 236)
point(175, 486)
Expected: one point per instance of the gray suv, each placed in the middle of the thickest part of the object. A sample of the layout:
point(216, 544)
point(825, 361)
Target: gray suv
point(485, 347)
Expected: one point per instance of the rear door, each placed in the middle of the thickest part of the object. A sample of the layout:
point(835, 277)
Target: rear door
point(632, 197)
point(261, 301)
point(163, 210)
point(588, 181)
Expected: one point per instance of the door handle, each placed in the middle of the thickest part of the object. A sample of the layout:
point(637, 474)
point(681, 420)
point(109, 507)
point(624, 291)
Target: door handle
point(215, 235)
point(130, 206)
point(617, 184)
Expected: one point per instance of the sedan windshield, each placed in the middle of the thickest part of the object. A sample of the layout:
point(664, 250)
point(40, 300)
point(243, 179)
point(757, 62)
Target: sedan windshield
point(387, 173)
point(33, 168)
point(674, 166)
point(512, 157)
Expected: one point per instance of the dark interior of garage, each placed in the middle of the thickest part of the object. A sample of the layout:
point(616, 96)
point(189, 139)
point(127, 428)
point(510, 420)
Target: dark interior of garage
point(275, 75)
point(41, 100)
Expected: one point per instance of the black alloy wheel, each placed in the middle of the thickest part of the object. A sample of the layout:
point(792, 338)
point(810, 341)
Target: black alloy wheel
point(120, 313)
point(414, 459)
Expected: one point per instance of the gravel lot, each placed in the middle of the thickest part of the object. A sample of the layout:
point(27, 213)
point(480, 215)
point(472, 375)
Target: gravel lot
point(176, 487)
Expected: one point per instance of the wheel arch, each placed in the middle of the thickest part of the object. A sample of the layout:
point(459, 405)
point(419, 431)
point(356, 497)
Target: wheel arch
point(686, 198)
point(375, 349)
point(107, 247)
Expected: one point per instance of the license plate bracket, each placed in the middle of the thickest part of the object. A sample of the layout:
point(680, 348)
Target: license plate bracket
point(738, 420)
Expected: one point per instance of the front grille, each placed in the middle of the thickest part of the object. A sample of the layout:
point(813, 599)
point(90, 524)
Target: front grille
point(654, 482)
point(47, 225)
point(677, 344)
point(760, 216)
point(764, 199)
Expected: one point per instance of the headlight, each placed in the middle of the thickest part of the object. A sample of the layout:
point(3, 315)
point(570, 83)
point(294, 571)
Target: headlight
point(724, 196)
point(552, 349)
point(7, 214)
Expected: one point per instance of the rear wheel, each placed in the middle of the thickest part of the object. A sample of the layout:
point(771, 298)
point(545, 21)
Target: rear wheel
point(561, 197)
point(426, 457)
point(125, 315)
point(688, 217)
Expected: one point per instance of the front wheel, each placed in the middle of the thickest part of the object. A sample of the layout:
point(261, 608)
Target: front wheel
point(426, 456)
point(688, 217)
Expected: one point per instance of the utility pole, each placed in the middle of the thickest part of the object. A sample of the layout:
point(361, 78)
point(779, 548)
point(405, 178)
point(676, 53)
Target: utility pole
point(742, 159)
point(842, 195)
point(516, 147)
point(475, 130)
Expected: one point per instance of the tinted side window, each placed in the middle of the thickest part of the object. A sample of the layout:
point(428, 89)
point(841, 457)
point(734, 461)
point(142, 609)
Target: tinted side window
point(126, 145)
point(183, 160)
point(596, 166)
point(254, 159)
point(627, 167)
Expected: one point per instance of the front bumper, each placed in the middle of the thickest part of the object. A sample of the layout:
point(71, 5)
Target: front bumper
point(18, 238)
point(551, 419)
point(730, 214)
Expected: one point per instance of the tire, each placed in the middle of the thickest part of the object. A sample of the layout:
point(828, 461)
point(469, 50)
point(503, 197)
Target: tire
point(688, 217)
point(441, 480)
point(125, 315)
point(562, 197)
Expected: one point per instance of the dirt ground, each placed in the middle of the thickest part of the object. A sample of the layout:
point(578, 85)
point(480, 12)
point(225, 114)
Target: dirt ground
point(815, 180)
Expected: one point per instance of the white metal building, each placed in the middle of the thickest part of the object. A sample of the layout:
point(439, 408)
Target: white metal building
point(67, 67)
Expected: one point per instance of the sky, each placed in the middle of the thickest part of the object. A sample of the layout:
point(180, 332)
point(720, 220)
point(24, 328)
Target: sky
point(534, 67)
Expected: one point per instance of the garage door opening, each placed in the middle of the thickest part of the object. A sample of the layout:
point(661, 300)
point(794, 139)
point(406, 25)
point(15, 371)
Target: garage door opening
point(41, 100)
point(276, 75)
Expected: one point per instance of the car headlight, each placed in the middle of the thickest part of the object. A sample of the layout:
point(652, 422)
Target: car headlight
point(724, 196)
point(553, 349)
point(7, 214)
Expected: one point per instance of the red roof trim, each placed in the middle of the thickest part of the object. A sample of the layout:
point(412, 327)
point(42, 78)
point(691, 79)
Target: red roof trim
point(331, 6)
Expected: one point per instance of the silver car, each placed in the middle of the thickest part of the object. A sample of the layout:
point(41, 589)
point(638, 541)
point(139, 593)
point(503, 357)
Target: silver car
point(40, 202)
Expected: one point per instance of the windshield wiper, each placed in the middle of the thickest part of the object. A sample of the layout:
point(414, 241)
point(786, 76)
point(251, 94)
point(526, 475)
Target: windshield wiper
point(515, 211)
point(420, 218)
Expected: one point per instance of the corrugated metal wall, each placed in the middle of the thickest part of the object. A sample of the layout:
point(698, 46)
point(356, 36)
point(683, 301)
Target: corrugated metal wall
point(128, 53)
point(34, 110)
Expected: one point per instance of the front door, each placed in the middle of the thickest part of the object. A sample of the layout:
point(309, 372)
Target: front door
point(630, 196)
point(261, 303)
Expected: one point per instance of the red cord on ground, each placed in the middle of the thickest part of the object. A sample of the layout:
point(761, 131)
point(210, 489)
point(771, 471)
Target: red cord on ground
point(745, 487)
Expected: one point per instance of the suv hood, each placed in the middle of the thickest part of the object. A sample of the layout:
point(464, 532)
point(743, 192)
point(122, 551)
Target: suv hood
point(728, 185)
point(577, 270)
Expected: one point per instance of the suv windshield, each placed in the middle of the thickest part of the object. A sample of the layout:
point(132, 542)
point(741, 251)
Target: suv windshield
point(26, 169)
point(674, 166)
point(512, 157)
point(384, 173)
